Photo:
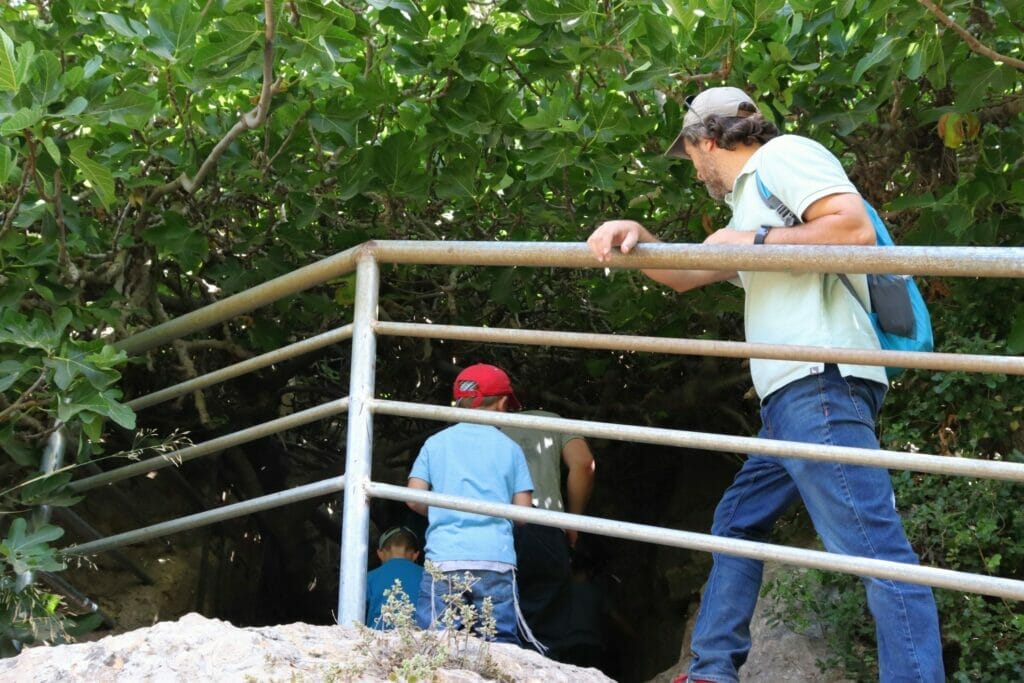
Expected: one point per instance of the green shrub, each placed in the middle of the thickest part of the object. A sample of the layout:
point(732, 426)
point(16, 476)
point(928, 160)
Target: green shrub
point(28, 614)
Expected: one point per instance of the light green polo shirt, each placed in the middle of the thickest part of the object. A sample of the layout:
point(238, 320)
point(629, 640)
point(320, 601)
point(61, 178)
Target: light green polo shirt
point(810, 309)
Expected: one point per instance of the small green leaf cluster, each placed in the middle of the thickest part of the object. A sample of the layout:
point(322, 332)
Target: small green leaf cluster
point(28, 614)
point(26, 552)
point(53, 376)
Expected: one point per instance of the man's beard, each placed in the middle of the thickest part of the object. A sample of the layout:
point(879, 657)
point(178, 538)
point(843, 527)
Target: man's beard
point(714, 184)
point(716, 188)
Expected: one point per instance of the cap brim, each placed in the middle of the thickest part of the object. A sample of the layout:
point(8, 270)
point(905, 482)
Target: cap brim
point(678, 149)
point(513, 402)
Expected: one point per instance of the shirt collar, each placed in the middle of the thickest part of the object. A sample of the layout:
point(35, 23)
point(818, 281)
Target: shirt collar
point(748, 168)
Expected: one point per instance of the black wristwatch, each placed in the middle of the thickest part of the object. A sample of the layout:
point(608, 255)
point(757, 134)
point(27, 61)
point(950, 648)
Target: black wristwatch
point(761, 233)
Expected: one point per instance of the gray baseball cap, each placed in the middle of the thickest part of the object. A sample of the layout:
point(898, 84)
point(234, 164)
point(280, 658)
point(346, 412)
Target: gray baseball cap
point(723, 101)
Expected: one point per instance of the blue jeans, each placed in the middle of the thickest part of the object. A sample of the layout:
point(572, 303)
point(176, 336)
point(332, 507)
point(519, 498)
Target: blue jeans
point(853, 510)
point(500, 587)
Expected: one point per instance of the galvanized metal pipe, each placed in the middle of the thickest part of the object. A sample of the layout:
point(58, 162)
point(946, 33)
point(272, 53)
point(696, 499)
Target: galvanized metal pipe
point(51, 461)
point(805, 258)
point(954, 261)
point(917, 462)
point(799, 557)
point(1011, 365)
point(355, 521)
point(267, 293)
point(76, 599)
point(213, 445)
point(246, 366)
point(70, 519)
point(246, 507)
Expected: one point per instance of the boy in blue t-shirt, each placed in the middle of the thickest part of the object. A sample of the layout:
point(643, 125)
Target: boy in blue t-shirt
point(473, 461)
point(398, 550)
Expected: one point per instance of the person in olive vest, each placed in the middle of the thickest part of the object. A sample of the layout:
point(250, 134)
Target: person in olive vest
point(544, 552)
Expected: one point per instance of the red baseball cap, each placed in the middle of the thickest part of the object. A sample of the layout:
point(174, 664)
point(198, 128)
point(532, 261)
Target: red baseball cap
point(482, 380)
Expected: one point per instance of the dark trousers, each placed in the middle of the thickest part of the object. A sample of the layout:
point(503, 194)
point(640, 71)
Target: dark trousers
point(543, 568)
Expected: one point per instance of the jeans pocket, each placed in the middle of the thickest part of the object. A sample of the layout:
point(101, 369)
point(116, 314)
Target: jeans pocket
point(866, 397)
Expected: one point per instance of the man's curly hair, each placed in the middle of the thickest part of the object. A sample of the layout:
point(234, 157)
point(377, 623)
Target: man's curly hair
point(728, 131)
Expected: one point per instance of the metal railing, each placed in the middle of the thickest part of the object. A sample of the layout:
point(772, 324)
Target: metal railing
point(361, 404)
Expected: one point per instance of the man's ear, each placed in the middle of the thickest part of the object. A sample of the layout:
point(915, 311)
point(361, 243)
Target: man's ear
point(381, 556)
point(415, 555)
point(502, 404)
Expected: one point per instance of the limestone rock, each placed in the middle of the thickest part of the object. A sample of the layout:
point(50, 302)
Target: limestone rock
point(778, 655)
point(195, 648)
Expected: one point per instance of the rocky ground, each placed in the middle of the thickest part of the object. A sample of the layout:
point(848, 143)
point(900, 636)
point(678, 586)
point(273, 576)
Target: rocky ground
point(195, 648)
point(200, 649)
point(779, 654)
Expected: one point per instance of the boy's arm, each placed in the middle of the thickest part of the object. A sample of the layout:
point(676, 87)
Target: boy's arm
point(524, 498)
point(421, 485)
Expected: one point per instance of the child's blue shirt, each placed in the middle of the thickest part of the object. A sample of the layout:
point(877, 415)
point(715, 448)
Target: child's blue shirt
point(473, 461)
point(382, 578)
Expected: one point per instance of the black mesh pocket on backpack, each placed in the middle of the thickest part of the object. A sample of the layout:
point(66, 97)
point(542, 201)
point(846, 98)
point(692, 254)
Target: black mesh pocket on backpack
point(890, 300)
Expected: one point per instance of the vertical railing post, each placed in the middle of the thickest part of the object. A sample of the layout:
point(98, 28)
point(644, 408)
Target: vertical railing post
point(52, 460)
point(355, 522)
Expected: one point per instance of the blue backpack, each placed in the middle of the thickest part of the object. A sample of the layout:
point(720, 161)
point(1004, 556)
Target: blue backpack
point(898, 311)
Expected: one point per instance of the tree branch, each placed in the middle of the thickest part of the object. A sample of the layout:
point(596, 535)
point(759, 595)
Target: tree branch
point(24, 396)
point(284, 143)
point(971, 41)
point(248, 121)
point(523, 78)
point(721, 73)
point(26, 175)
point(70, 273)
point(233, 348)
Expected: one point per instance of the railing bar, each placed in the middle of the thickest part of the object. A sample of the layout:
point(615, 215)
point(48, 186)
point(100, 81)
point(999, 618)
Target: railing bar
point(800, 557)
point(952, 261)
point(919, 462)
point(69, 519)
point(1011, 365)
point(266, 293)
point(213, 445)
point(238, 369)
point(77, 600)
point(271, 500)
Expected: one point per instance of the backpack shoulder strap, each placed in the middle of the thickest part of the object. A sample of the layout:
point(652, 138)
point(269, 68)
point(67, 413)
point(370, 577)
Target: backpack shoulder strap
point(774, 203)
point(789, 218)
point(849, 287)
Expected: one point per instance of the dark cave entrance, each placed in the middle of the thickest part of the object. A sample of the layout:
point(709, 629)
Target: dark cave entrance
point(281, 566)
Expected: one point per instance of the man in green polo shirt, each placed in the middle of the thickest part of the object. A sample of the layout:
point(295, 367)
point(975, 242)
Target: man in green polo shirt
point(727, 139)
